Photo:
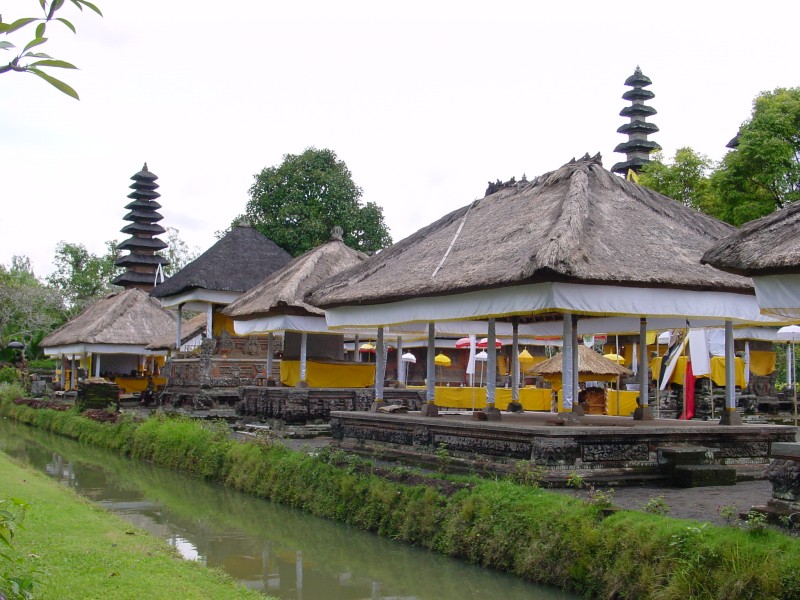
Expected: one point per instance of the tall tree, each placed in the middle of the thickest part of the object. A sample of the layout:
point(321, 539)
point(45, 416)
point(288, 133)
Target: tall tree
point(83, 277)
point(762, 172)
point(685, 178)
point(28, 61)
point(177, 252)
point(297, 203)
point(28, 308)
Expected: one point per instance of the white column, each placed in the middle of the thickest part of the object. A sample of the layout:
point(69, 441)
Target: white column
point(515, 359)
point(270, 353)
point(97, 365)
point(730, 369)
point(491, 365)
point(380, 366)
point(567, 380)
point(430, 392)
point(644, 395)
point(399, 346)
point(210, 321)
point(178, 324)
point(575, 361)
point(303, 349)
point(357, 348)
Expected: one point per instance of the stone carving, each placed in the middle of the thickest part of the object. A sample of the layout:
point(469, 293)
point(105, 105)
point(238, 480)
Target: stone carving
point(225, 343)
point(422, 436)
point(740, 449)
point(785, 478)
point(558, 452)
point(615, 452)
point(252, 347)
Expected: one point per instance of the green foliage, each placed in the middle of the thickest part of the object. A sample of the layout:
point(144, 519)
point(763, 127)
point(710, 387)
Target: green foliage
point(297, 203)
point(9, 375)
point(177, 252)
point(685, 179)
point(656, 506)
point(82, 276)
point(29, 309)
point(763, 173)
point(17, 582)
point(28, 61)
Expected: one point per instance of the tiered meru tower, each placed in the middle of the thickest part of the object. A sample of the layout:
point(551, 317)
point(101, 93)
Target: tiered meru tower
point(638, 148)
point(142, 262)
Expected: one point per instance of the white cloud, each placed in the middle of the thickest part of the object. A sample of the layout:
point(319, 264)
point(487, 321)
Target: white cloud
point(425, 102)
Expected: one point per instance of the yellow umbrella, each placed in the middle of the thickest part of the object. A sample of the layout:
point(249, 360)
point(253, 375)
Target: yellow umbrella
point(442, 360)
point(525, 359)
point(615, 357)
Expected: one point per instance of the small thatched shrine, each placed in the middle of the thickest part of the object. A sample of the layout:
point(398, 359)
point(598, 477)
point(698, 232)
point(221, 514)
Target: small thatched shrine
point(312, 354)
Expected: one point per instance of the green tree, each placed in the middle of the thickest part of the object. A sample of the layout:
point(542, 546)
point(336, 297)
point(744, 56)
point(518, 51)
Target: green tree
point(297, 203)
point(81, 276)
point(28, 61)
point(762, 173)
point(29, 309)
point(177, 252)
point(685, 178)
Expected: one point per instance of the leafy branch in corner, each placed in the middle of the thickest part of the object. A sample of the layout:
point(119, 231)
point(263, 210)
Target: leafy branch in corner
point(29, 61)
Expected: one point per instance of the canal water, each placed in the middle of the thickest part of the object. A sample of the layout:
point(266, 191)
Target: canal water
point(277, 550)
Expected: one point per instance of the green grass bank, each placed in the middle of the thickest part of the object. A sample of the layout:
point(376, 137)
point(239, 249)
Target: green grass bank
point(540, 536)
point(76, 550)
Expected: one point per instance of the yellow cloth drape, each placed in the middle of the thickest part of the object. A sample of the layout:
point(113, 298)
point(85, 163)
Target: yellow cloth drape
point(329, 374)
point(627, 402)
point(762, 362)
point(463, 397)
point(717, 370)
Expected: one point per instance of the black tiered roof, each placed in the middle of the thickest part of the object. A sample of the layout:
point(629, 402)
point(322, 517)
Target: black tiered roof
point(638, 147)
point(142, 262)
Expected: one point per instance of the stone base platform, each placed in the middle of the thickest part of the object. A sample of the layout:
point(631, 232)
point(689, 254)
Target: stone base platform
point(613, 450)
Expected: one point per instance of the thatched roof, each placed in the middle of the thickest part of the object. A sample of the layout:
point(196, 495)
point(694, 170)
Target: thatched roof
point(189, 329)
point(283, 291)
point(130, 317)
point(578, 224)
point(235, 263)
point(589, 363)
point(767, 246)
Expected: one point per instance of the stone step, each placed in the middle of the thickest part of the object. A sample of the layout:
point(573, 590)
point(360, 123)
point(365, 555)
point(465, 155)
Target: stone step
point(669, 457)
point(689, 476)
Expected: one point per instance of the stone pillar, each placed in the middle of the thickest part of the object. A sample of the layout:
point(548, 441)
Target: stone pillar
point(380, 370)
point(730, 416)
point(643, 412)
point(567, 379)
point(210, 321)
point(357, 348)
point(97, 365)
point(515, 405)
point(401, 380)
point(178, 325)
point(270, 355)
point(429, 409)
point(492, 414)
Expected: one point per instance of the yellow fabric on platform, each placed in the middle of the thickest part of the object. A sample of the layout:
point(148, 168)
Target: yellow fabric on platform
point(469, 397)
point(718, 371)
point(329, 374)
point(762, 362)
point(131, 385)
point(627, 402)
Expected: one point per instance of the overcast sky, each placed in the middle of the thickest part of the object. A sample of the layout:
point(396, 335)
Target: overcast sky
point(425, 101)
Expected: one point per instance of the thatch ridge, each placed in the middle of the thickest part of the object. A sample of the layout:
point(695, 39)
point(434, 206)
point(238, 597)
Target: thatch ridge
point(130, 317)
point(579, 223)
point(234, 263)
point(589, 363)
point(283, 292)
point(766, 246)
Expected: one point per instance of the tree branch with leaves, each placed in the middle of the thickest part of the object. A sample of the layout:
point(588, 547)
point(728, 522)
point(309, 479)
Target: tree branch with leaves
point(28, 61)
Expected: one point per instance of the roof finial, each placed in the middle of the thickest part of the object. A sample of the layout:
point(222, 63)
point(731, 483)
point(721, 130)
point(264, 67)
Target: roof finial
point(337, 233)
point(144, 168)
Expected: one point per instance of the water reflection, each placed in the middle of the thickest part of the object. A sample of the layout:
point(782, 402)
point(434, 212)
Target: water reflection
point(267, 547)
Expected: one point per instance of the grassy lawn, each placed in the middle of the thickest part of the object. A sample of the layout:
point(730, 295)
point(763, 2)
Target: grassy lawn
point(85, 552)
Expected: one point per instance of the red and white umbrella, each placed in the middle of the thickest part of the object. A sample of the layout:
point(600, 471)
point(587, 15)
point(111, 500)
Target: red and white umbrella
point(462, 342)
point(484, 342)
